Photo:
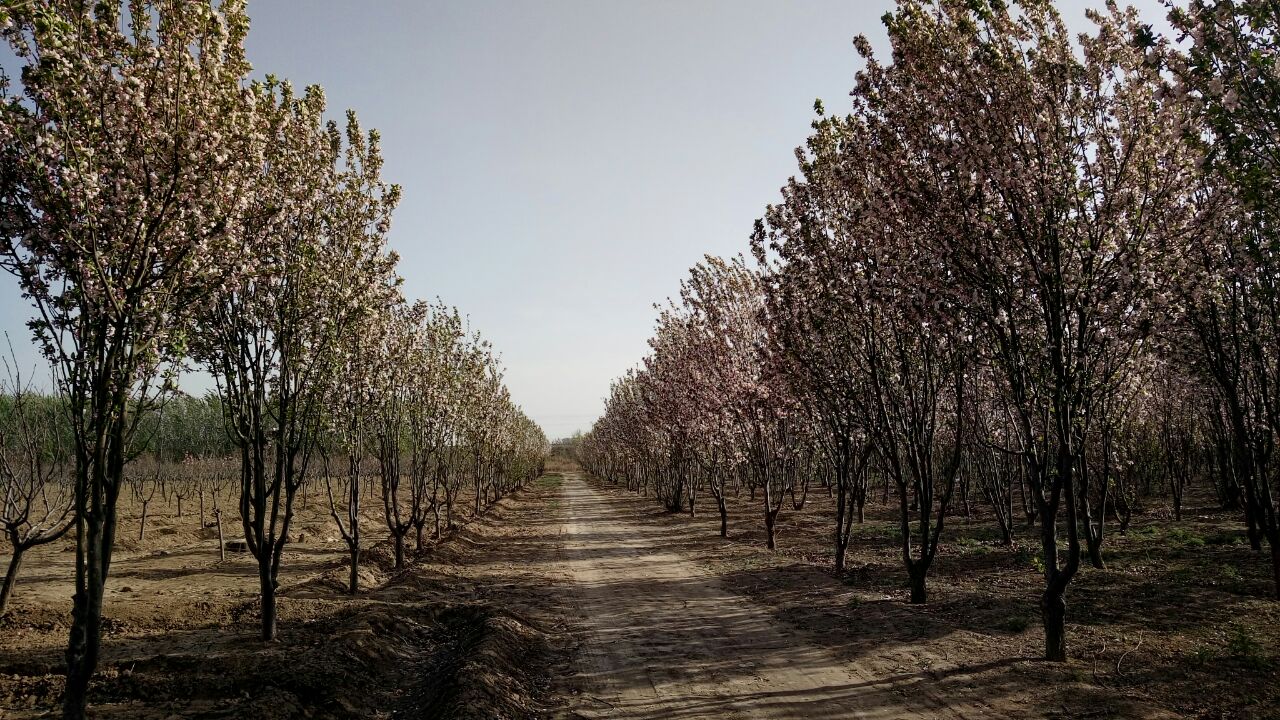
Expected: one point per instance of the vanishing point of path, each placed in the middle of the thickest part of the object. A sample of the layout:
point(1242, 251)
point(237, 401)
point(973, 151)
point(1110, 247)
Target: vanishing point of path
point(660, 637)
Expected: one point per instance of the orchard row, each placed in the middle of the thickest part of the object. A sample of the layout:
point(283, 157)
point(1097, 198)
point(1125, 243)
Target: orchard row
point(160, 209)
point(1037, 265)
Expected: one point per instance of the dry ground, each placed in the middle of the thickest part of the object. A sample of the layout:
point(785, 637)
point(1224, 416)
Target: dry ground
point(181, 637)
point(1180, 624)
point(576, 599)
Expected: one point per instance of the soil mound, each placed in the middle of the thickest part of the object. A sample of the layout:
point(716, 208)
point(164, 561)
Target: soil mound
point(486, 670)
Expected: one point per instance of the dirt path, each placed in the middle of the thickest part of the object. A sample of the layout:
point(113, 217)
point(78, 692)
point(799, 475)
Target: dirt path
point(662, 638)
point(570, 599)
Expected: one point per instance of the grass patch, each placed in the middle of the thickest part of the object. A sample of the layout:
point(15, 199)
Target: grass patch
point(1014, 624)
point(1184, 537)
point(1201, 656)
point(974, 545)
point(1245, 648)
point(1029, 557)
point(1242, 649)
point(1225, 537)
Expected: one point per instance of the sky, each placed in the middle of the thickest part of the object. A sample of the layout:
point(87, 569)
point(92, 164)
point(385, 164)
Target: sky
point(565, 161)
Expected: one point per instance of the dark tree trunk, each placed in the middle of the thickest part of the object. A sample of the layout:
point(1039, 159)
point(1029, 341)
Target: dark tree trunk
point(354, 586)
point(1251, 526)
point(98, 482)
point(268, 587)
point(1053, 604)
point(82, 653)
point(1094, 545)
point(1273, 537)
point(916, 575)
point(222, 544)
point(843, 511)
point(11, 577)
point(724, 515)
point(94, 536)
point(1053, 608)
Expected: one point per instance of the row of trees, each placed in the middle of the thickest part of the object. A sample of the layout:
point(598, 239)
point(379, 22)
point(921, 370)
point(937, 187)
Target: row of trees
point(1036, 265)
point(428, 432)
point(159, 208)
point(425, 399)
point(178, 441)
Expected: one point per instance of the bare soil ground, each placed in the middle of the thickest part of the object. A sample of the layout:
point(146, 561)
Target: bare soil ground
point(664, 636)
point(1180, 624)
point(575, 599)
point(181, 640)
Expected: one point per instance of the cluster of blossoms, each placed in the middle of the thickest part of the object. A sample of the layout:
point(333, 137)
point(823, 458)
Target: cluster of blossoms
point(1035, 266)
point(159, 208)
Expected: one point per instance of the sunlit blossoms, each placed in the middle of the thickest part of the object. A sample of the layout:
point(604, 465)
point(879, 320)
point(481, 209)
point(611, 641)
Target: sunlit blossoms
point(158, 206)
point(1023, 262)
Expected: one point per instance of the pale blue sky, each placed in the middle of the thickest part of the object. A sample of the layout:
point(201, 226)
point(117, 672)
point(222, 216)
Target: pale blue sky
point(564, 162)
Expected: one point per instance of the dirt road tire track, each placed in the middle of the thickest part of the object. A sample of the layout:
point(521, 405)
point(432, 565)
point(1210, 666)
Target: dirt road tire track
point(661, 637)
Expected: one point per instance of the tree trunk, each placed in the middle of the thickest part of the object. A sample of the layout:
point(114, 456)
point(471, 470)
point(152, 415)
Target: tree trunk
point(222, 545)
point(1006, 532)
point(842, 512)
point(1053, 608)
point(1275, 563)
point(11, 577)
point(917, 574)
point(1094, 545)
point(95, 536)
point(82, 652)
point(1251, 524)
point(268, 587)
point(399, 538)
point(354, 587)
point(724, 515)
